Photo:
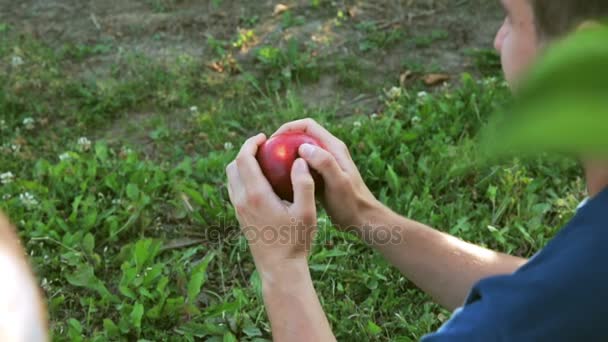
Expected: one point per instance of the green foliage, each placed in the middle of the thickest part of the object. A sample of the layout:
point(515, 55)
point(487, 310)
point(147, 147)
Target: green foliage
point(377, 38)
point(282, 66)
point(425, 41)
point(487, 61)
point(135, 239)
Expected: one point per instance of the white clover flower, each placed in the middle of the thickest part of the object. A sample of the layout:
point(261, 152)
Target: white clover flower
point(374, 116)
point(28, 200)
point(357, 123)
point(117, 201)
point(84, 144)
point(7, 178)
point(194, 109)
point(228, 146)
point(28, 123)
point(126, 150)
point(17, 61)
point(16, 148)
point(394, 93)
point(422, 94)
point(416, 119)
point(65, 156)
point(490, 81)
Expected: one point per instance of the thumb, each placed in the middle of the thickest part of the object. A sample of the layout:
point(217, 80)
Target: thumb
point(303, 185)
point(321, 160)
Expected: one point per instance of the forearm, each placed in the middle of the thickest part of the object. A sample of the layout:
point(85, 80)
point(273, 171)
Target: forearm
point(443, 266)
point(292, 304)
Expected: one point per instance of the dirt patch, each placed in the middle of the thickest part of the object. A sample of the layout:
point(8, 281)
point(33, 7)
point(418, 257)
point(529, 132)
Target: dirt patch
point(362, 45)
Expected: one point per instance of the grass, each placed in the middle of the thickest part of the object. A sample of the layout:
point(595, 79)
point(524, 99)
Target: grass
point(131, 232)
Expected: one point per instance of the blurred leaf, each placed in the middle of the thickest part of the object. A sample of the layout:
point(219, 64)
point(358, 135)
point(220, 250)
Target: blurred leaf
point(199, 275)
point(229, 337)
point(132, 191)
point(563, 105)
point(111, 329)
point(85, 277)
point(136, 315)
point(373, 328)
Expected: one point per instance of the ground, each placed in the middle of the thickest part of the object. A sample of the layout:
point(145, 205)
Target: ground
point(367, 45)
point(118, 119)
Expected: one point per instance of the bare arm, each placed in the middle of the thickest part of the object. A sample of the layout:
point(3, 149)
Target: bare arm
point(289, 296)
point(441, 265)
point(293, 306)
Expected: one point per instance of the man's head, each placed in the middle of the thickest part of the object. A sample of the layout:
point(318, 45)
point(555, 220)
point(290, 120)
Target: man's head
point(531, 23)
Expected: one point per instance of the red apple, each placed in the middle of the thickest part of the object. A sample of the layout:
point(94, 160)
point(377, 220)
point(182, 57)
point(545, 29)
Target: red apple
point(276, 157)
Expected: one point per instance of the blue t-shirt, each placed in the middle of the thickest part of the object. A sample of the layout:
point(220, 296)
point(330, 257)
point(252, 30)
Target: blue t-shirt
point(561, 294)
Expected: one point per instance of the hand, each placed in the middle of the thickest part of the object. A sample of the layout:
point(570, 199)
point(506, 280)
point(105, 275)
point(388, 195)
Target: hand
point(346, 198)
point(278, 232)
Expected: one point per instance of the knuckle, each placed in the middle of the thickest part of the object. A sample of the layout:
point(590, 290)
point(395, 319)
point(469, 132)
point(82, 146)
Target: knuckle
point(240, 160)
point(325, 161)
point(343, 182)
point(342, 146)
point(251, 140)
point(307, 183)
point(310, 121)
point(307, 215)
point(255, 198)
point(240, 207)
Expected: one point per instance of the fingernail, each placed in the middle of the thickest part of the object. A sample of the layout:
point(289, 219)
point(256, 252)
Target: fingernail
point(307, 150)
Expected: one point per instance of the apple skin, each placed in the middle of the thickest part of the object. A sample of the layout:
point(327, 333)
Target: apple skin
point(276, 157)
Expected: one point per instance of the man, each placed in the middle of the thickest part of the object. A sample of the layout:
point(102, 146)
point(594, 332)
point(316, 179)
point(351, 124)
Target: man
point(559, 295)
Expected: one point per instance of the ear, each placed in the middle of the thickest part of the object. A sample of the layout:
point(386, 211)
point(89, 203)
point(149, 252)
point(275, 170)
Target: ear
point(23, 316)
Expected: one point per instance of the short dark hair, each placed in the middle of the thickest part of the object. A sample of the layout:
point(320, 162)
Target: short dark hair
point(556, 18)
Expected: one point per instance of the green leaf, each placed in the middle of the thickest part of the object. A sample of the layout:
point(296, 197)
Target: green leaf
point(88, 243)
point(145, 251)
point(393, 179)
point(136, 315)
point(132, 192)
point(229, 337)
point(74, 330)
point(101, 151)
point(85, 277)
point(202, 330)
point(198, 277)
point(173, 306)
point(252, 332)
point(373, 328)
point(111, 329)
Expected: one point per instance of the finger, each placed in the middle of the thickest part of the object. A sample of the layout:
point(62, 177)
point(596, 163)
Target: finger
point(322, 161)
point(303, 189)
point(251, 175)
point(235, 187)
point(334, 145)
point(309, 126)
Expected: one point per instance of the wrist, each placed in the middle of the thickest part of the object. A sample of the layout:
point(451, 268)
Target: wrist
point(376, 225)
point(285, 275)
point(371, 213)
